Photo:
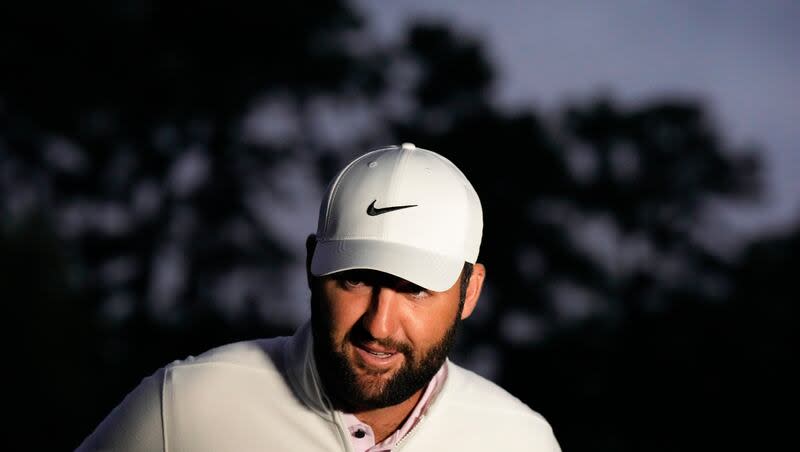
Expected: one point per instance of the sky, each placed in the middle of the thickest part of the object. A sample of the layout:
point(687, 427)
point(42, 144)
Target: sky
point(740, 57)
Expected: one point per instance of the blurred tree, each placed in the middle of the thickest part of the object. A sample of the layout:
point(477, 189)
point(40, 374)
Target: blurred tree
point(761, 341)
point(156, 160)
point(692, 376)
point(149, 140)
point(607, 277)
point(597, 213)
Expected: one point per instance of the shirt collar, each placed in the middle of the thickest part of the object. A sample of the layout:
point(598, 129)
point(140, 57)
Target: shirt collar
point(361, 435)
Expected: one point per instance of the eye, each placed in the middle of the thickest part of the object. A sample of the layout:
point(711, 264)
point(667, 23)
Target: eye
point(352, 280)
point(413, 290)
point(352, 283)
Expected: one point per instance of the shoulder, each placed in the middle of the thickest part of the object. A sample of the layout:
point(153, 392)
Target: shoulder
point(470, 388)
point(256, 354)
point(174, 401)
point(238, 363)
point(471, 405)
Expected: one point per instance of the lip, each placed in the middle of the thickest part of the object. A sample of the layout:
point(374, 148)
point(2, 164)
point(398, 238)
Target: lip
point(377, 361)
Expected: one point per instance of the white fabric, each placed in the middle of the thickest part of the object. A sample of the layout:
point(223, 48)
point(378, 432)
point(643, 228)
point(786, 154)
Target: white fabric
point(265, 395)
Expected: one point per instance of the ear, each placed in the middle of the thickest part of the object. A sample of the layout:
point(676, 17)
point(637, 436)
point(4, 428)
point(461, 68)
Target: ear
point(311, 244)
point(473, 289)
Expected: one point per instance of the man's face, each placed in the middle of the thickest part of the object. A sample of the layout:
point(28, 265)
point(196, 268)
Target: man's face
point(379, 339)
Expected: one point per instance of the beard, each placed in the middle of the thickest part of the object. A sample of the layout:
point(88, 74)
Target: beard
point(343, 384)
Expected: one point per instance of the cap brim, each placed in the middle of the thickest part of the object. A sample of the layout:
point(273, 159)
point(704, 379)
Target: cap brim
point(428, 270)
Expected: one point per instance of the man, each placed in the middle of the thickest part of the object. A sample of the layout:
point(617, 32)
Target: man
point(392, 271)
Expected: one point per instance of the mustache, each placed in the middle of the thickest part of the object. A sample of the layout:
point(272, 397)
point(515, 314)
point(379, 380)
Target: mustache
point(359, 335)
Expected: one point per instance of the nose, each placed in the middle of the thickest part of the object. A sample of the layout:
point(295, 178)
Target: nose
point(381, 318)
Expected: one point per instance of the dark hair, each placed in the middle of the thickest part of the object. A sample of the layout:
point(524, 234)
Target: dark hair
point(466, 273)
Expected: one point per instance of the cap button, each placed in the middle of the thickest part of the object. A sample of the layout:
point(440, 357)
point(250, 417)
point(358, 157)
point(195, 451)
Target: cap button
point(408, 146)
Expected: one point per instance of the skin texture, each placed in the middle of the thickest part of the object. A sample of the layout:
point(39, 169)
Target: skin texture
point(378, 339)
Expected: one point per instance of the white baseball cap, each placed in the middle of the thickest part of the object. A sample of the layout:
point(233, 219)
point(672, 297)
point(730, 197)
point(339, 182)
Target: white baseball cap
point(401, 210)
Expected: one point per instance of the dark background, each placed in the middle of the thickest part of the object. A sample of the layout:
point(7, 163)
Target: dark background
point(161, 164)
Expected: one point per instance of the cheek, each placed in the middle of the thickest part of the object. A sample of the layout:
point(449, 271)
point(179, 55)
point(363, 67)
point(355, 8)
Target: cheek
point(426, 328)
point(342, 317)
point(343, 314)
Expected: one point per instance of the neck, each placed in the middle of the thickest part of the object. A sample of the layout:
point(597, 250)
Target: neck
point(384, 421)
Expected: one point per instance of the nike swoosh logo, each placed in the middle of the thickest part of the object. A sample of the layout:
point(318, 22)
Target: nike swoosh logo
point(373, 211)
